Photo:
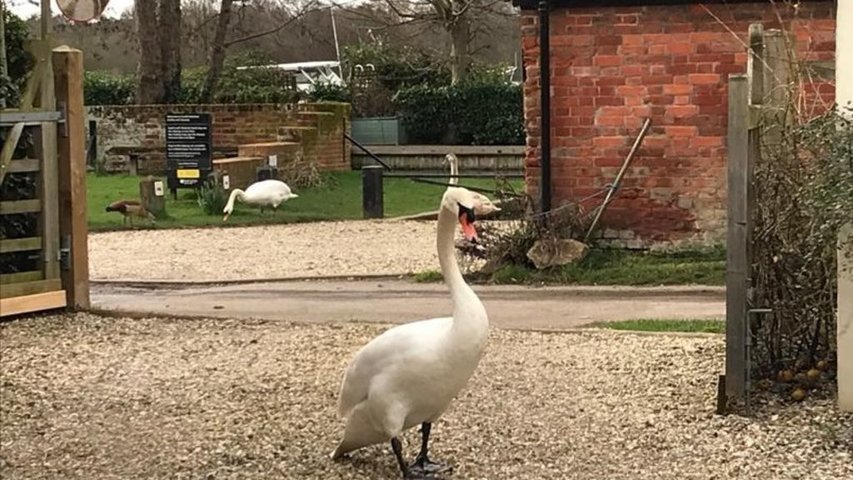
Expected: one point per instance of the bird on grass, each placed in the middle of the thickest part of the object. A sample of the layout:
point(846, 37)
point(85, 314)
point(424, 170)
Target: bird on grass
point(266, 193)
point(130, 209)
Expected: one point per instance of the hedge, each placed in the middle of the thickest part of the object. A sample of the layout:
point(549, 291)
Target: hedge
point(252, 85)
point(470, 113)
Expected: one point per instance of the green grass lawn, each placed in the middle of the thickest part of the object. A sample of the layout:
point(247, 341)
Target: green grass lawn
point(616, 267)
point(340, 199)
point(624, 267)
point(666, 325)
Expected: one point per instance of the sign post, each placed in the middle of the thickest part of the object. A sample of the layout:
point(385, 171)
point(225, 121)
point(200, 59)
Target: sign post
point(188, 150)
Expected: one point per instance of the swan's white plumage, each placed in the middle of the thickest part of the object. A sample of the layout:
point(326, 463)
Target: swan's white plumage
point(410, 373)
point(266, 193)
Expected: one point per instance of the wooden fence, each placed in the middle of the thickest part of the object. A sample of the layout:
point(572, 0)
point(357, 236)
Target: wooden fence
point(756, 114)
point(43, 245)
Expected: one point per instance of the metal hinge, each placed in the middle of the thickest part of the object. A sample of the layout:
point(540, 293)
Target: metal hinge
point(64, 255)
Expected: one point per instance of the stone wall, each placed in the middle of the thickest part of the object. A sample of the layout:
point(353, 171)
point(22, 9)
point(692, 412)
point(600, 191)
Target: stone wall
point(615, 64)
point(139, 131)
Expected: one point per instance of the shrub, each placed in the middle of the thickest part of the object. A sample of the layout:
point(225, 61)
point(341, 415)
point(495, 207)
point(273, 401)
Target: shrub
point(328, 92)
point(104, 88)
point(474, 112)
point(249, 85)
point(18, 60)
point(212, 197)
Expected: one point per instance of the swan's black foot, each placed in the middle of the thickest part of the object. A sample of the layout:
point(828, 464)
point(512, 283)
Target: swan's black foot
point(424, 468)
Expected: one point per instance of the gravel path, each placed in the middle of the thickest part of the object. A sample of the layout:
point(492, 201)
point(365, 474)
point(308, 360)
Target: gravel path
point(87, 397)
point(275, 251)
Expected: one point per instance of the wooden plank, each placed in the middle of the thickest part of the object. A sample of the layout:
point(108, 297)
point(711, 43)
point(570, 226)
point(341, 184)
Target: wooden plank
point(737, 261)
point(73, 226)
point(755, 64)
point(21, 277)
point(9, 146)
point(32, 303)
point(24, 165)
point(778, 113)
point(20, 206)
point(20, 244)
point(30, 288)
point(50, 178)
point(31, 89)
point(459, 150)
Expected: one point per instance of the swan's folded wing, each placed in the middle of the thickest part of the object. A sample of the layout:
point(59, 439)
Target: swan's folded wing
point(352, 391)
point(381, 353)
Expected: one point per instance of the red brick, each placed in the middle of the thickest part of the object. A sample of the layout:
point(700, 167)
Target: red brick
point(679, 48)
point(607, 60)
point(682, 111)
point(704, 78)
point(708, 141)
point(609, 121)
point(631, 90)
point(604, 142)
point(677, 89)
point(680, 131)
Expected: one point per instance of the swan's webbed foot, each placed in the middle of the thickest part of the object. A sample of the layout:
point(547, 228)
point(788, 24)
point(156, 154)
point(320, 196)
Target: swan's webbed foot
point(427, 469)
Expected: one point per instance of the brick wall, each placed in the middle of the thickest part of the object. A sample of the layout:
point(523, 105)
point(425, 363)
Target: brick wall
point(612, 67)
point(140, 129)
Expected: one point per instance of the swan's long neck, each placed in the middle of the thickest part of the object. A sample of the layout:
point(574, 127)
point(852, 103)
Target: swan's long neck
point(467, 307)
point(454, 170)
point(236, 193)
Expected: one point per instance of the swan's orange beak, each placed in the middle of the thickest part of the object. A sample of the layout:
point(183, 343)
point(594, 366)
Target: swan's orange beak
point(466, 220)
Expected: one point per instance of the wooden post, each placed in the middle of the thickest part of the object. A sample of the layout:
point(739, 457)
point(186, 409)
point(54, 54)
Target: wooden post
point(845, 318)
point(152, 195)
point(737, 240)
point(371, 191)
point(844, 98)
point(50, 167)
point(73, 227)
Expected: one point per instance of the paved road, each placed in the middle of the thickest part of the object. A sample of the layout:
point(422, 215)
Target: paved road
point(395, 301)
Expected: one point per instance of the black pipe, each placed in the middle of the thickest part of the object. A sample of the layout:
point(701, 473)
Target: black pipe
point(365, 150)
point(443, 175)
point(545, 107)
point(473, 189)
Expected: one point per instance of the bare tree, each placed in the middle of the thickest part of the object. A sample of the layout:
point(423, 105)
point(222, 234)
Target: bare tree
point(169, 19)
point(158, 33)
point(150, 88)
point(456, 18)
point(284, 13)
point(217, 51)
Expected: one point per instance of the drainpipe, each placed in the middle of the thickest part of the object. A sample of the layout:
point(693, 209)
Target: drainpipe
point(545, 106)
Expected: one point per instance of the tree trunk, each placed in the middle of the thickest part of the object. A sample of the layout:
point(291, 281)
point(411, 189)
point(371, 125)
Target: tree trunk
point(217, 52)
point(169, 19)
point(460, 56)
point(149, 89)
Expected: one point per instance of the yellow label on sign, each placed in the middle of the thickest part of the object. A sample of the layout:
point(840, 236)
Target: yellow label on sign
point(189, 174)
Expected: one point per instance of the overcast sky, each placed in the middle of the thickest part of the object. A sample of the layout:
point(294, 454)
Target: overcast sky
point(28, 8)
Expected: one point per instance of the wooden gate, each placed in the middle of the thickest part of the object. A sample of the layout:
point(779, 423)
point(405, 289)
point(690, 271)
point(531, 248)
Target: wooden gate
point(43, 258)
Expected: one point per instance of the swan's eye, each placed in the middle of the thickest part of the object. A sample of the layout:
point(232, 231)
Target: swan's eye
point(468, 212)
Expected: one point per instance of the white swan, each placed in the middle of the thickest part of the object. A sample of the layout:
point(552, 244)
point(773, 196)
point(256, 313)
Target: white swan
point(484, 203)
point(266, 193)
point(408, 375)
point(454, 168)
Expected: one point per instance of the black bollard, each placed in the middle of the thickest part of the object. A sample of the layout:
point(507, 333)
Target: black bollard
point(371, 191)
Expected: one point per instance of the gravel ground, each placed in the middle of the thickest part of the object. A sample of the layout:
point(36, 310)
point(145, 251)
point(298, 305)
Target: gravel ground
point(88, 397)
point(275, 251)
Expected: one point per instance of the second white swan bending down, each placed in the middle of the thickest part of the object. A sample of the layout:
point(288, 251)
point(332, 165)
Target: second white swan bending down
point(266, 193)
point(408, 375)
